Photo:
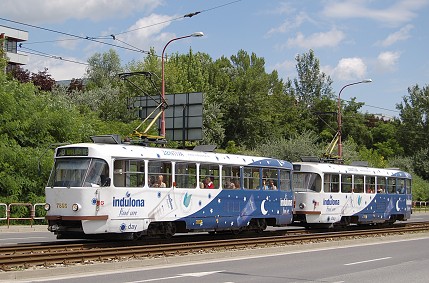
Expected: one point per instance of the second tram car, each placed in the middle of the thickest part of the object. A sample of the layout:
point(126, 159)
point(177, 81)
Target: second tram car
point(329, 194)
point(129, 191)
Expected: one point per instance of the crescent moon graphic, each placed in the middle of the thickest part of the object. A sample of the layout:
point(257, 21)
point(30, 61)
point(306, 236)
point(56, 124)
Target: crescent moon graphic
point(397, 205)
point(263, 210)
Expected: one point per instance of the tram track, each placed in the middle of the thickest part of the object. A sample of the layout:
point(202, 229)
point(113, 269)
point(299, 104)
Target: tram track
point(23, 257)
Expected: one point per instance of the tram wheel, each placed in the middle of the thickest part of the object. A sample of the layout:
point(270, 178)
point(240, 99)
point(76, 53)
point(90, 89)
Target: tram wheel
point(137, 236)
point(262, 225)
point(169, 230)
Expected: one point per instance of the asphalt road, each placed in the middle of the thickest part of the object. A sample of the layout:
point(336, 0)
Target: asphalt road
point(381, 259)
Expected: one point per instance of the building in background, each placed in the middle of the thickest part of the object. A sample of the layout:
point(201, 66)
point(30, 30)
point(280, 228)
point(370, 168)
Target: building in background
point(9, 42)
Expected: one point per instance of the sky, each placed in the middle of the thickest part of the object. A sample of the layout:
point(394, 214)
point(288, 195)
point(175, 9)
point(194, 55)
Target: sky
point(382, 40)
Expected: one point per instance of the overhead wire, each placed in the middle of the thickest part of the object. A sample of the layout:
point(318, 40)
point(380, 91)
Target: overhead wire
point(124, 45)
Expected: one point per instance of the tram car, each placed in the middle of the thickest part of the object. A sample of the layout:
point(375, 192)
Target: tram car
point(329, 195)
point(109, 188)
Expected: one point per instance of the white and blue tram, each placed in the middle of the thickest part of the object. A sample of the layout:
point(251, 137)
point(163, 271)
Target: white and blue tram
point(329, 194)
point(129, 191)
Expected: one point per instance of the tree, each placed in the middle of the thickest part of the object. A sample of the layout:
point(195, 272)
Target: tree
point(76, 85)
point(291, 149)
point(43, 80)
point(413, 132)
point(21, 75)
point(314, 94)
point(103, 69)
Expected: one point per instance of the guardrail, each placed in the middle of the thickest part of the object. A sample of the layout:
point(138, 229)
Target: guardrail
point(32, 211)
point(30, 215)
point(421, 206)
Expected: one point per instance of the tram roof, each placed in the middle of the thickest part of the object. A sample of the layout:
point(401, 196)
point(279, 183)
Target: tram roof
point(348, 169)
point(119, 151)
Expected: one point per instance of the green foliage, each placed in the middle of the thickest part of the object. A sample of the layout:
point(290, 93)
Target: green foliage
point(103, 69)
point(246, 110)
point(421, 163)
point(413, 132)
point(373, 157)
point(291, 149)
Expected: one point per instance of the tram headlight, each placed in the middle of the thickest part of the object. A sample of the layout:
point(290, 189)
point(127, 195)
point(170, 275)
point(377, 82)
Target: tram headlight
point(76, 206)
point(47, 206)
point(302, 205)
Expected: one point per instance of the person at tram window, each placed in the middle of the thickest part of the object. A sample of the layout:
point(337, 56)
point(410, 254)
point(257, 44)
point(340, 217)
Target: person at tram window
point(209, 183)
point(228, 184)
point(264, 185)
point(235, 184)
point(160, 182)
point(272, 186)
point(380, 190)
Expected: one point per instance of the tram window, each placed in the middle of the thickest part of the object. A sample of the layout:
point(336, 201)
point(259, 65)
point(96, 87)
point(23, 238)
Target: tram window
point(271, 176)
point(186, 175)
point(159, 173)
point(211, 171)
point(128, 173)
point(391, 185)
point(251, 178)
point(69, 172)
point(346, 183)
point(285, 180)
point(401, 186)
point(358, 184)
point(331, 183)
point(370, 184)
point(231, 177)
point(381, 185)
point(98, 174)
point(408, 185)
point(306, 182)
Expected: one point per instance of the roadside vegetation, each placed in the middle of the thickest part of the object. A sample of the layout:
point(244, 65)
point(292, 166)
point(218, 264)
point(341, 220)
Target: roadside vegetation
point(246, 110)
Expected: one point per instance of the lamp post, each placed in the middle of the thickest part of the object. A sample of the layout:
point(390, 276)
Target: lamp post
point(340, 145)
point(195, 34)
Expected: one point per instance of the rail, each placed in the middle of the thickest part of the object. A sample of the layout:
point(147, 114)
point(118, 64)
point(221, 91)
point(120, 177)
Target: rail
point(48, 255)
point(30, 214)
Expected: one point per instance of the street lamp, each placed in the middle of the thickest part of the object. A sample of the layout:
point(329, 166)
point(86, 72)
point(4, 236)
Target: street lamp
point(195, 34)
point(339, 133)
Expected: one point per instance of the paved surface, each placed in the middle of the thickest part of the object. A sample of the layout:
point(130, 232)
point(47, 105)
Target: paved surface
point(93, 268)
point(23, 228)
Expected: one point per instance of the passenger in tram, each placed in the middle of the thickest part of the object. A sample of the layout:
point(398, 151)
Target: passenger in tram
point(272, 186)
point(159, 182)
point(380, 190)
point(228, 184)
point(209, 183)
point(235, 184)
point(264, 185)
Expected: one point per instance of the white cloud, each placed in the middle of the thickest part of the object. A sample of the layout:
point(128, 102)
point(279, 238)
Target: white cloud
point(42, 11)
point(386, 61)
point(58, 69)
point(402, 34)
point(397, 13)
point(349, 69)
point(288, 24)
point(322, 39)
point(286, 68)
point(147, 32)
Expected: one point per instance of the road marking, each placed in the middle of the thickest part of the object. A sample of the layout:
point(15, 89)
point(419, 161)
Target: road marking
point(195, 274)
point(371, 260)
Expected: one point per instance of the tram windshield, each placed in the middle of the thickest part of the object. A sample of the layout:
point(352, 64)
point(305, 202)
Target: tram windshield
point(306, 182)
point(79, 172)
